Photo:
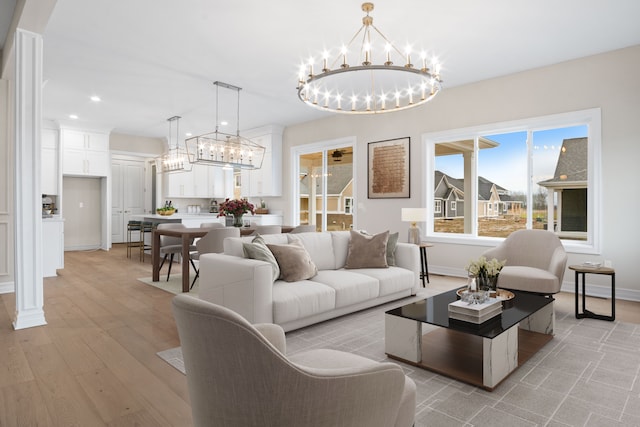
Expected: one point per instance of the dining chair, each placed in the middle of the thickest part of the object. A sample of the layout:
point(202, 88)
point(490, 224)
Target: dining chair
point(212, 242)
point(169, 246)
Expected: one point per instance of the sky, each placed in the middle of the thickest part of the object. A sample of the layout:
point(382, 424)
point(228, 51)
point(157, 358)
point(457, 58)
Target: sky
point(506, 165)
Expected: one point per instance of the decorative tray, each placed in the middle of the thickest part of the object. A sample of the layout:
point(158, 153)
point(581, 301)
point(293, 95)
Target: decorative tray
point(502, 294)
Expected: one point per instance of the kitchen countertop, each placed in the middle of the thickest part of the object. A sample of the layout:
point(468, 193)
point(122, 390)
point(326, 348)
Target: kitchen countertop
point(193, 216)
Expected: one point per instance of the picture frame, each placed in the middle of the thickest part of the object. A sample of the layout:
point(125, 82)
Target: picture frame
point(389, 173)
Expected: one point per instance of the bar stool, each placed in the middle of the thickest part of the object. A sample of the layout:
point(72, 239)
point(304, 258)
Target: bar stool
point(145, 227)
point(132, 227)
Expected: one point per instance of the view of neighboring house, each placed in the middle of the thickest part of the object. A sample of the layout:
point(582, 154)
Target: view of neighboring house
point(339, 196)
point(493, 200)
point(569, 182)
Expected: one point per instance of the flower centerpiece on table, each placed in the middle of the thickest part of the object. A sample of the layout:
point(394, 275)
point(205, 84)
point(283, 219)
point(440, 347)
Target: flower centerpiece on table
point(236, 208)
point(486, 272)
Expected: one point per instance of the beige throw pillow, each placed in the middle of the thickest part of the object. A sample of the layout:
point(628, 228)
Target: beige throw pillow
point(294, 261)
point(258, 249)
point(367, 251)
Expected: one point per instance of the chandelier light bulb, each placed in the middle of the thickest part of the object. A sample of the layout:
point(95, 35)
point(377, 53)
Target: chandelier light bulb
point(374, 74)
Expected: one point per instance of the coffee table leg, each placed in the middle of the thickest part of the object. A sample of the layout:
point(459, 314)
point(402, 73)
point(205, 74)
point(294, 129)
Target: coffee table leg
point(499, 357)
point(403, 338)
point(542, 321)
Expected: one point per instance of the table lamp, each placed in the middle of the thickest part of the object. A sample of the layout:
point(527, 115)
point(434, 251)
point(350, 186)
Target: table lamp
point(414, 216)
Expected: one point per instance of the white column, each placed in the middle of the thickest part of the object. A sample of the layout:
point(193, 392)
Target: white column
point(27, 197)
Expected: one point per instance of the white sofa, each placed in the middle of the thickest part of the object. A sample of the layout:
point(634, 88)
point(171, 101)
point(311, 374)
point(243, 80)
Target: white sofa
point(246, 286)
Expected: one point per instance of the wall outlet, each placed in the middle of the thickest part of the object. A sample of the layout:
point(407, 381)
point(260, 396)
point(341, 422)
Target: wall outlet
point(607, 263)
point(81, 205)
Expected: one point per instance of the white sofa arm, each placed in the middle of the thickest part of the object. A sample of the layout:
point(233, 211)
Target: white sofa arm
point(240, 284)
point(408, 256)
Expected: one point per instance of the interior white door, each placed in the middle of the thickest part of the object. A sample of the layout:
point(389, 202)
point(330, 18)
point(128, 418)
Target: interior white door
point(127, 195)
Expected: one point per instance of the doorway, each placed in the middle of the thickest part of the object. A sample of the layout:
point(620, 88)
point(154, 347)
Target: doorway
point(325, 192)
point(127, 194)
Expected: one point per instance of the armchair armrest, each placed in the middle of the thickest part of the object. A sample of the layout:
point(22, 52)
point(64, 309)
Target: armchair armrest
point(240, 284)
point(558, 263)
point(274, 334)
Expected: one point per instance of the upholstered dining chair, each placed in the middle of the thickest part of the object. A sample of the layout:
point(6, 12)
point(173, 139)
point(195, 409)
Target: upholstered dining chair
point(535, 261)
point(212, 242)
point(211, 225)
point(239, 375)
point(267, 229)
point(303, 229)
point(170, 246)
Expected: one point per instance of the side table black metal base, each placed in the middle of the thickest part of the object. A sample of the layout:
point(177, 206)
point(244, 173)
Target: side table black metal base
point(583, 270)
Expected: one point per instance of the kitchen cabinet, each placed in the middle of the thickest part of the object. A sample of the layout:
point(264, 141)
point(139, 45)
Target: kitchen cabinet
point(266, 181)
point(52, 246)
point(49, 163)
point(85, 152)
point(202, 181)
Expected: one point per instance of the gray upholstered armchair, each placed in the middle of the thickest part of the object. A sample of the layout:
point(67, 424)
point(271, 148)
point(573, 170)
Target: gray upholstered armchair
point(536, 261)
point(238, 375)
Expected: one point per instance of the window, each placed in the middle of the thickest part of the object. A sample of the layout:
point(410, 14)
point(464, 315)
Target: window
point(437, 207)
point(348, 205)
point(540, 173)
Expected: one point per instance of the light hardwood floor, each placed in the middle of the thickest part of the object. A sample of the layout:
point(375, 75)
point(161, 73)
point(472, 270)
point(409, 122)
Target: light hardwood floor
point(95, 362)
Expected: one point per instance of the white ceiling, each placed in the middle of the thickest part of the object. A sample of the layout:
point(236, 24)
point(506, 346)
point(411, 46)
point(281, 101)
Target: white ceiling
point(152, 59)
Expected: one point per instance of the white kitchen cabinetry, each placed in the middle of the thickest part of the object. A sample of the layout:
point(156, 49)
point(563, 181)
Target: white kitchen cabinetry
point(266, 181)
point(49, 176)
point(85, 153)
point(202, 181)
point(52, 246)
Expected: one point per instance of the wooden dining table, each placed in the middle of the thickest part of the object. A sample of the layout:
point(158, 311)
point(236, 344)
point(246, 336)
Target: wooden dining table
point(186, 235)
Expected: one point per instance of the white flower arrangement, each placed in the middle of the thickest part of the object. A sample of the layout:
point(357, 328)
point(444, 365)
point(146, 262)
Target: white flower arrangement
point(485, 268)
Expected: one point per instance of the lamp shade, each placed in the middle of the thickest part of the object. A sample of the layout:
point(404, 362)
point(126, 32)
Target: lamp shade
point(414, 214)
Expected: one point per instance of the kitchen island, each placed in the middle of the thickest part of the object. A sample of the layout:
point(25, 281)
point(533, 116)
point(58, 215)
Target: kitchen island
point(194, 220)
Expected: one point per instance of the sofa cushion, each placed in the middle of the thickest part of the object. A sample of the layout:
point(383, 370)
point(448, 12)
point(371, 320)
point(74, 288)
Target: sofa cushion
point(350, 286)
point(320, 248)
point(367, 251)
point(340, 241)
point(294, 261)
point(527, 278)
point(391, 280)
point(297, 300)
point(257, 249)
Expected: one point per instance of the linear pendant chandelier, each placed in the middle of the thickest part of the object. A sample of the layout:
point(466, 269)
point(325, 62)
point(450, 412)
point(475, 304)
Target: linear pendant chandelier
point(223, 149)
point(382, 79)
point(175, 159)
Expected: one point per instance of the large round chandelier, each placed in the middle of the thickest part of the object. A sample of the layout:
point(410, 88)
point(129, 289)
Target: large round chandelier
point(383, 79)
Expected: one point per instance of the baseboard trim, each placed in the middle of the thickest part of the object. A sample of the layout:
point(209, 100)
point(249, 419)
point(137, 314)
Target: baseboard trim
point(7, 288)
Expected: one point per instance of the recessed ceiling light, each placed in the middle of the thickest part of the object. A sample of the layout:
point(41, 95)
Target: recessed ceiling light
point(188, 134)
point(73, 116)
point(95, 98)
point(224, 123)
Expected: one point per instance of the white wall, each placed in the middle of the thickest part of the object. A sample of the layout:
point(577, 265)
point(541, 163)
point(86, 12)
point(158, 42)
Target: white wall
point(608, 81)
point(6, 195)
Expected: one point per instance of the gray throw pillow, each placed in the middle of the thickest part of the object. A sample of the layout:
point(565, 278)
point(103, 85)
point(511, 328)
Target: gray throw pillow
point(367, 251)
point(391, 249)
point(258, 249)
point(294, 261)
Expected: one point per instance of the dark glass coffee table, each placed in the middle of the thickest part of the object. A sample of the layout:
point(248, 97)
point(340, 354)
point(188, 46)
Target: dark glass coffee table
point(422, 334)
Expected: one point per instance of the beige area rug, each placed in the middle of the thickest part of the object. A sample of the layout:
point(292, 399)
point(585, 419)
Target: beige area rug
point(174, 285)
point(586, 376)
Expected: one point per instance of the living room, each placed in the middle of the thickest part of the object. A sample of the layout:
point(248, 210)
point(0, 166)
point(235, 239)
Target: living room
point(605, 81)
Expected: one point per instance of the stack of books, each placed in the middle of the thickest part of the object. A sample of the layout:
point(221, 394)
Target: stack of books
point(475, 313)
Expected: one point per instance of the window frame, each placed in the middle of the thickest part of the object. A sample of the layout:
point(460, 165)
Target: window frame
point(437, 206)
point(590, 117)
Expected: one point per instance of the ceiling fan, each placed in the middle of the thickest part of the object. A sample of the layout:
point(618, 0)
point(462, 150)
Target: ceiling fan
point(337, 154)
